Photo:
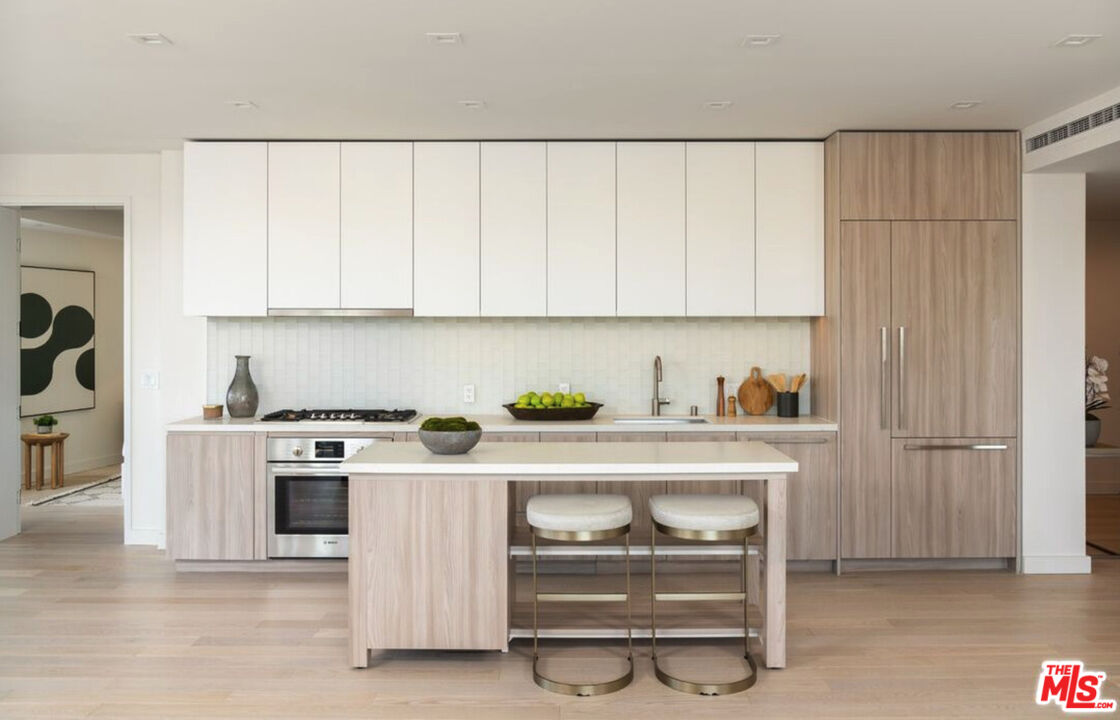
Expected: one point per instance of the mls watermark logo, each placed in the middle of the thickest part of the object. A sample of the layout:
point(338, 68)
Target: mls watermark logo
point(1067, 684)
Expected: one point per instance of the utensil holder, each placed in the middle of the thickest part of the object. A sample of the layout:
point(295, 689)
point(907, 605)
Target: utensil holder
point(787, 404)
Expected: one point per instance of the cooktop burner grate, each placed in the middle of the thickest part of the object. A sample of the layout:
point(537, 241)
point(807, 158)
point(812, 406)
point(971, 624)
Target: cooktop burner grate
point(340, 415)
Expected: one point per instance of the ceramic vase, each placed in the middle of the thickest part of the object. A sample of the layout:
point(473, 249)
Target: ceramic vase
point(242, 398)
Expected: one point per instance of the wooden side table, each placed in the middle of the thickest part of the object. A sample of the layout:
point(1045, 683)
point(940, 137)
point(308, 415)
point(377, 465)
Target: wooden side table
point(56, 442)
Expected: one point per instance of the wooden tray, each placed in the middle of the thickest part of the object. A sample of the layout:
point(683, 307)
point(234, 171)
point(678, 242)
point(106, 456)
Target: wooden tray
point(572, 413)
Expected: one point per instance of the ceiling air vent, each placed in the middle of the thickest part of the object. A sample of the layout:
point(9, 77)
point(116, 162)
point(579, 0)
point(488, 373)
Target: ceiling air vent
point(1078, 126)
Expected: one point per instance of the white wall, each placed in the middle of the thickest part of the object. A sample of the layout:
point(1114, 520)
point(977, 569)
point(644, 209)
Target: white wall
point(1053, 482)
point(96, 435)
point(424, 362)
point(161, 341)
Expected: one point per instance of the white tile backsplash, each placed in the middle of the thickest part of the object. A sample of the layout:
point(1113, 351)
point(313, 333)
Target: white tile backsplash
point(424, 362)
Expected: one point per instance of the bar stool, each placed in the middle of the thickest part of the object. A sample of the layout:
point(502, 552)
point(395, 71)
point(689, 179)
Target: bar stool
point(580, 518)
point(709, 518)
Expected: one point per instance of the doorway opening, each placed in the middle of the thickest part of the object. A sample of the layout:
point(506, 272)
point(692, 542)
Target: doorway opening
point(71, 366)
point(1102, 339)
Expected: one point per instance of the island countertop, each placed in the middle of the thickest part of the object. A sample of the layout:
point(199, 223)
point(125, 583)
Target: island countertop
point(573, 458)
point(604, 422)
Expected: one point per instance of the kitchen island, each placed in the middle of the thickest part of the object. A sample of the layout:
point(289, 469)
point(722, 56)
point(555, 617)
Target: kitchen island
point(430, 561)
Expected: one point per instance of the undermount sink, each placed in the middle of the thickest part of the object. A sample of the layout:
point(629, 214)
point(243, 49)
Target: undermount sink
point(661, 420)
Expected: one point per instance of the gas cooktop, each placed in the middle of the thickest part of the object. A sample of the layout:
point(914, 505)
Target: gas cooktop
point(340, 415)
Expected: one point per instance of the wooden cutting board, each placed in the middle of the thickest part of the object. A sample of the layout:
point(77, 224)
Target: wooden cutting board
point(755, 394)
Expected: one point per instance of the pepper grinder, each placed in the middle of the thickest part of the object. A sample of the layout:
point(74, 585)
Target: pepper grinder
point(719, 396)
point(731, 407)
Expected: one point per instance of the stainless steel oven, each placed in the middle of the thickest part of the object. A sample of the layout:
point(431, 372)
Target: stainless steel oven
point(308, 502)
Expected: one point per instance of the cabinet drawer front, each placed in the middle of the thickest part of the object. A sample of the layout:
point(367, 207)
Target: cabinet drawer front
point(954, 498)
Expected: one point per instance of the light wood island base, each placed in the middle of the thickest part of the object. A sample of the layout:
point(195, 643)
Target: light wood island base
point(430, 561)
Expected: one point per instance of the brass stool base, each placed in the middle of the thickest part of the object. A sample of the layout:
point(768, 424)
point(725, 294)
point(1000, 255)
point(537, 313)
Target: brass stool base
point(586, 689)
point(694, 688)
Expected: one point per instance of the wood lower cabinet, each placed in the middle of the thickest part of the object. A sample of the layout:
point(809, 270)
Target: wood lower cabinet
point(810, 494)
point(211, 495)
point(449, 574)
point(954, 498)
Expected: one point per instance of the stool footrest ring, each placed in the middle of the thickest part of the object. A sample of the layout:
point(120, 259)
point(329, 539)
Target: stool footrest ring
point(699, 688)
point(584, 689)
point(699, 596)
point(582, 597)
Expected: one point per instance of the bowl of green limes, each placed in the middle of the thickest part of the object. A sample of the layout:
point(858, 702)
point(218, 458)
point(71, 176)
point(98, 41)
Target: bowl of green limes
point(552, 406)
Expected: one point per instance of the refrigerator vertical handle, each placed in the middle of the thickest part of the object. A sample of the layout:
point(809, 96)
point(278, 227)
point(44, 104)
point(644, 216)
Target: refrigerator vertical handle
point(884, 365)
point(901, 376)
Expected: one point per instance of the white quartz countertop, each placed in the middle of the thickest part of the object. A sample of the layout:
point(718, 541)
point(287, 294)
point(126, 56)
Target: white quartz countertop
point(504, 423)
point(574, 458)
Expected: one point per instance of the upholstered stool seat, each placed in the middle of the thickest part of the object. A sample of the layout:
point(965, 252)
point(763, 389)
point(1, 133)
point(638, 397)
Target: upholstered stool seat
point(704, 512)
point(574, 513)
point(706, 518)
point(580, 519)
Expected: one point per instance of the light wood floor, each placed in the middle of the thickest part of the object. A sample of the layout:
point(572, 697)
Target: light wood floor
point(90, 628)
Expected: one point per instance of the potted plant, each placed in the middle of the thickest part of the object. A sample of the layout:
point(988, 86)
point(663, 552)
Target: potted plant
point(1096, 397)
point(45, 424)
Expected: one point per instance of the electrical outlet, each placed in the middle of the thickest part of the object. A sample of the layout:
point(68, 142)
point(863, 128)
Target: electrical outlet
point(149, 380)
point(468, 393)
point(564, 388)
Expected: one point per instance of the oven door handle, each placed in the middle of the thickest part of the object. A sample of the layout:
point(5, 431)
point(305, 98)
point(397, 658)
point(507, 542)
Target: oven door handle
point(307, 469)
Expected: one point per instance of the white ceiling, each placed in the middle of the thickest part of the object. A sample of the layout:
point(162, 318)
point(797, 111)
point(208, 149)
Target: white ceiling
point(70, 81)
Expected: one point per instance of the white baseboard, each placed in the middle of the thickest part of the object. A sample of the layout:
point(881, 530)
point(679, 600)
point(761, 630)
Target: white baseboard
point(143, 536)
point(1057, 564)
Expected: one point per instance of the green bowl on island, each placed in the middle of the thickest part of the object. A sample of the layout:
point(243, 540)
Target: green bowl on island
point(450, 436)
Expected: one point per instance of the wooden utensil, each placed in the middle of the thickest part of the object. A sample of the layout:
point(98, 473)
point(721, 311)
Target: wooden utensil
point(778, 381)
point(755, 394)
point(798, 382)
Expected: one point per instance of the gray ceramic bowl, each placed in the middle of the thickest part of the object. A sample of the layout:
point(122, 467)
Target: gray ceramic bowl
point(450, 443)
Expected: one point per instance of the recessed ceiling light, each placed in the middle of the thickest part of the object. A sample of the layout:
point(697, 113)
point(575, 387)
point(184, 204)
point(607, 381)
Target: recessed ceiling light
point(444, 38)
point(1076, 40)
point(150, 39)
point(473, 104)
point(759, 40)
point(242, 104)
point(964, 104)
point(717, 104)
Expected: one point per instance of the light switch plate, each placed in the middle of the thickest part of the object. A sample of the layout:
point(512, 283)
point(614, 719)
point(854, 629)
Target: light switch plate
point(149, 379)
point(468, 393)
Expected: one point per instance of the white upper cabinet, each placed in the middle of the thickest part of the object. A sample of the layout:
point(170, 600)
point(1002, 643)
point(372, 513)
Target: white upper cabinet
point(303, 225)
point(376, 225)
point(446, 228)
point(720, 228)
point(513, 226)
point(789, 228)
point(225, 228)
point(581, 229)
point(651, 228)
